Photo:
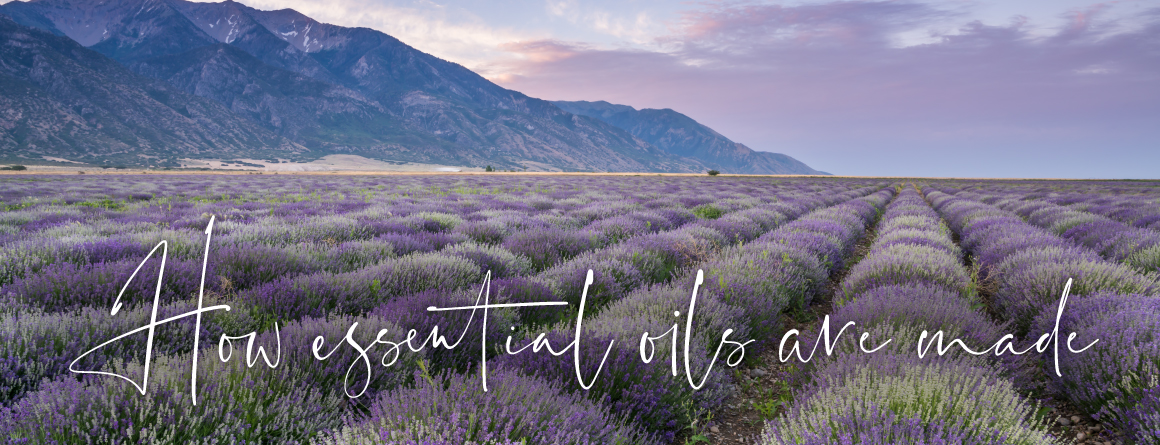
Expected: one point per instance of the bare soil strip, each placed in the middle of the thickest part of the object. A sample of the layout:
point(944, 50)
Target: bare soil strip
point(1068, 422)
point(763, 389)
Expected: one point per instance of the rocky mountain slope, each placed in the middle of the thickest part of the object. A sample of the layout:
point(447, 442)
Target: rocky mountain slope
point(60, 99)
point(325, 89)
point(681, 135)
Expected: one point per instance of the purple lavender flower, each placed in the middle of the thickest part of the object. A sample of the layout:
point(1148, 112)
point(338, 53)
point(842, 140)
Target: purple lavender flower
point(1115, 380)
point(454, 409)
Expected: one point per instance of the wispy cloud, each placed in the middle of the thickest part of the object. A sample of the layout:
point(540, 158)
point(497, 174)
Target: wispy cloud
point(448, 32)
point(780, 77)
point(633, 26)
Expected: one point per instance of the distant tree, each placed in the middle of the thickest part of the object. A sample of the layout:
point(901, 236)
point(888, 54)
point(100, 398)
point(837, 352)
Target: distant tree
point(15, 167)
point(489, 169)
point(714, 172)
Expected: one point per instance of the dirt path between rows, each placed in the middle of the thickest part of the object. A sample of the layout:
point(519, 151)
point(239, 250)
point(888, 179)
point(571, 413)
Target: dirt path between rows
point(763, 388)
point(1068, 422)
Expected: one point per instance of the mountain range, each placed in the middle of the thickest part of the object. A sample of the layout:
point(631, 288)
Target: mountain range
point(682, 136)
point(153, 82)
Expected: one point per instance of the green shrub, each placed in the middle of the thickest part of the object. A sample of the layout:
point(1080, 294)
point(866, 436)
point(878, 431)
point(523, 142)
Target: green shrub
point(707, 211)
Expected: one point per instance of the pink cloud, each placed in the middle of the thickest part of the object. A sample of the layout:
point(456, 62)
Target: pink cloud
point(841, 23)
point(819, 76)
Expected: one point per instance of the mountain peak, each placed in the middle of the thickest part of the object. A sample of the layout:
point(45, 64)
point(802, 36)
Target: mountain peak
point(599, 109)
point(303, 32)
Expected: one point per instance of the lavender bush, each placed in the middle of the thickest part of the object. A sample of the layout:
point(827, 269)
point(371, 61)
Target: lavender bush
point(1117, 379)
point(454, 409)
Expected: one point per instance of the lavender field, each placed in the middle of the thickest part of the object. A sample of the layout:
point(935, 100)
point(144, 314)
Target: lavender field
point(331, 281)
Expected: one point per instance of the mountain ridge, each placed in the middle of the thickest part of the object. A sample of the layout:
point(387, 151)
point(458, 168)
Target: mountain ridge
point(335, 90)
point(58, 96)
point(682, 135)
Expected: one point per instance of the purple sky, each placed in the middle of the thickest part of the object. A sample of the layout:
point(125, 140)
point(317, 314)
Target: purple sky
point(1045, 88)
point(834, 85)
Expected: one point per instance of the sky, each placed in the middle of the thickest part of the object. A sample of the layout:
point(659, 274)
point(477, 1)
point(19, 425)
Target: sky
point(967, 88)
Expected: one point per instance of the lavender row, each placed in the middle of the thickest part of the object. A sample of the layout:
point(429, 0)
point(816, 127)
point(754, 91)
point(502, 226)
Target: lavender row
point(761, 282)
point(324, 243)
point(912, 279)
point(248, 398)
point(644, 394)
point(621, 267)
point(1137, 205)
point(658, 258)
point(1028, 266)
point(41, 189)
point(269, 227)
point(463, 266)
point(585, 198)
point(1112, 239)
point(242, 262)
point(303, 399)
point(237, 403)
point(1140, 212)
point(40, 345)
point(322, 294)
